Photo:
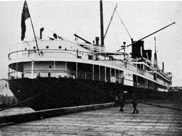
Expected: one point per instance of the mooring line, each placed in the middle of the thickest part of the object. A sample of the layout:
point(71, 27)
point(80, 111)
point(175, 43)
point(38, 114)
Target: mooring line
point(26, 100)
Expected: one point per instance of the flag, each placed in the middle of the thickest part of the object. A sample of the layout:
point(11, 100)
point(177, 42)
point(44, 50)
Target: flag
point(25, 15)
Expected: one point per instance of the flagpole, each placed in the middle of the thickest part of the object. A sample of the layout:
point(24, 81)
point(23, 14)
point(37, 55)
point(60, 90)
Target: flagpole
point(33, 28)
point(34, 34)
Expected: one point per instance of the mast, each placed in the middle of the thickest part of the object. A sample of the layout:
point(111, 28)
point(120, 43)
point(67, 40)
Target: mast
point(155, 55)
point(101, 24)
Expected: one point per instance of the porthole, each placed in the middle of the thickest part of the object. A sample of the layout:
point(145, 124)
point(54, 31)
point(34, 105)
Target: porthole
point(47, 47)
point(34, 47)
point(50, 66)
point(60, 47)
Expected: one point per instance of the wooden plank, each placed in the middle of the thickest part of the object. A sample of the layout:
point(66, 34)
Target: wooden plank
point(108, 122)
point(37, 115)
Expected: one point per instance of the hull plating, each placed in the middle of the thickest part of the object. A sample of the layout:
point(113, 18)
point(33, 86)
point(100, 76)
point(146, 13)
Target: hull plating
point(46, 93)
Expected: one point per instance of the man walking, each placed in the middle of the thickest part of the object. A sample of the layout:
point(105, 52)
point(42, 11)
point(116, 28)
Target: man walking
point(134, 103)
point(122, 100)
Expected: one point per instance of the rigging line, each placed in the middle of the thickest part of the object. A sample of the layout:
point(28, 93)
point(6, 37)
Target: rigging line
point(50, 90)
point(23, 101)
point(26, 100)
point(123, 24)
point(110, 21)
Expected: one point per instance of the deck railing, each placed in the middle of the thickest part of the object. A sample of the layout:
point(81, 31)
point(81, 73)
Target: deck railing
point(43, 53)
point(64, 74)
point(57, 53)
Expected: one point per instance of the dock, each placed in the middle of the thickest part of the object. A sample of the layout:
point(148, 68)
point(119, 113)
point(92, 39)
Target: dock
point(151, 121)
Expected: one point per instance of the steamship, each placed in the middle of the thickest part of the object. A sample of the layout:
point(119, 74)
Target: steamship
point(62, 73)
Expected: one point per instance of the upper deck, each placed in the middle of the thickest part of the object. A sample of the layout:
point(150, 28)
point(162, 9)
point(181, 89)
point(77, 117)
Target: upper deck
point(62, 50)
point(27, 60)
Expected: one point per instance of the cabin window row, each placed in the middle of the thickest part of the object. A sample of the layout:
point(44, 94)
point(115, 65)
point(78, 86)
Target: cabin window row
point(68, 70)
point(142, 82)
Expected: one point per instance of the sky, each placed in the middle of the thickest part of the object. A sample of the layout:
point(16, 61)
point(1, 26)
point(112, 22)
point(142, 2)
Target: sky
point(82, 17)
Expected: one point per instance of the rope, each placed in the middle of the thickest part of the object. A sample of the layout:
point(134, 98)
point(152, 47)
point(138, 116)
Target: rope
point(123, 24)
point(26, 100)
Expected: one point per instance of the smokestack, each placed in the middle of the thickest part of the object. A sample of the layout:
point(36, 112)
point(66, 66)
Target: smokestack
point(41, 30)
point(97, 41)
point(162, 66)
point(101, 24)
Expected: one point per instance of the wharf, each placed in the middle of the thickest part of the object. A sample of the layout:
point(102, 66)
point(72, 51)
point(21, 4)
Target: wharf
point(151, 121)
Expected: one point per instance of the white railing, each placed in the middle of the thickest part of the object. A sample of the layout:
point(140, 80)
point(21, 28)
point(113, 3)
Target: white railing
point(56, 53)
point(131, 67)
point(63, 74)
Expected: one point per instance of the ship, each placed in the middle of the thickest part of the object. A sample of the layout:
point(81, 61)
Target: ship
point(56, 72)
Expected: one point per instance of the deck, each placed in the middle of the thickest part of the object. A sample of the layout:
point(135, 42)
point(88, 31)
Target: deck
point(151, 121)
